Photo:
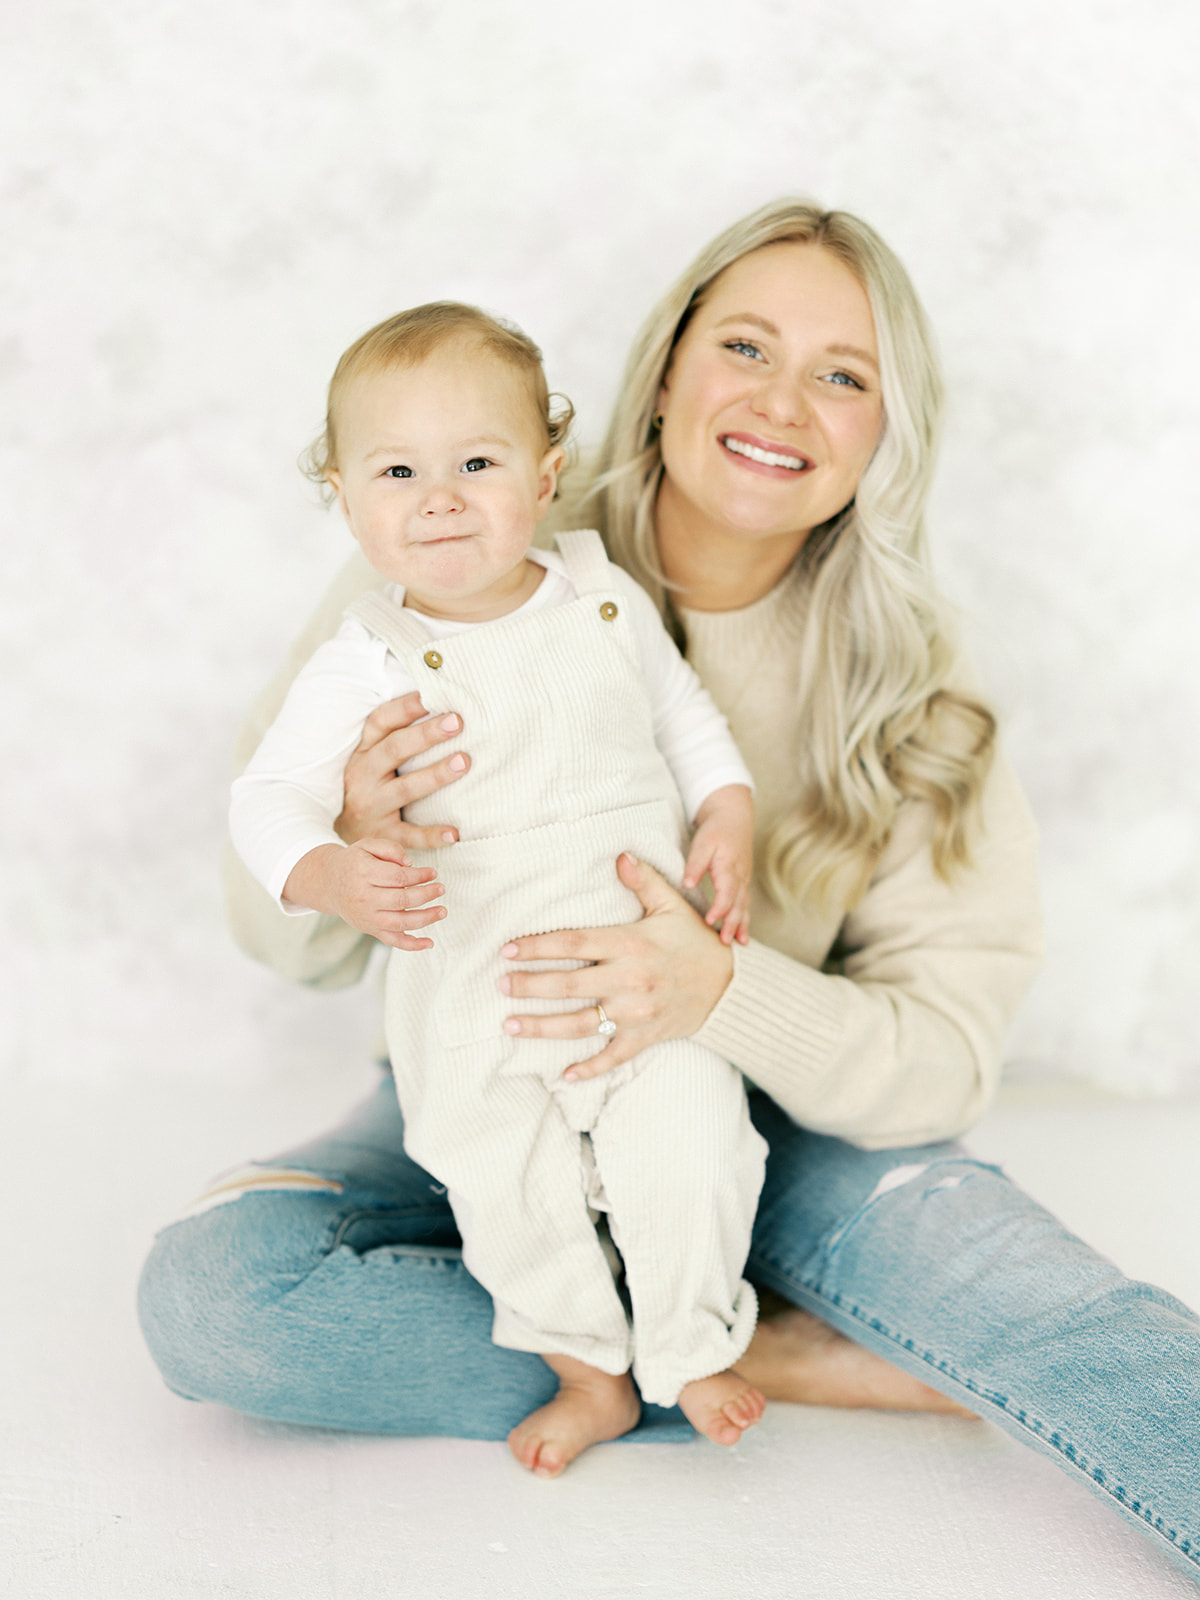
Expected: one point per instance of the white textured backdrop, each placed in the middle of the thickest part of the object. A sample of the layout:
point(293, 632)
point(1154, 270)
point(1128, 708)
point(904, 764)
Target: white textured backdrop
point(203, 204)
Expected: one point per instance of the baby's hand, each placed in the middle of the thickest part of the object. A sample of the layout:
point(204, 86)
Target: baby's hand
point(373, 886)
point(723, 846)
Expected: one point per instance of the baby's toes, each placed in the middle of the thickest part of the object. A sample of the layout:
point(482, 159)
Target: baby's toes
point(745, 1409)
point(548, 1462)
point(722, 1429)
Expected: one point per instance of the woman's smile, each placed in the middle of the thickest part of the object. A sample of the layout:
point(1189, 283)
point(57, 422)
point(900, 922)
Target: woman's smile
point(759, 454)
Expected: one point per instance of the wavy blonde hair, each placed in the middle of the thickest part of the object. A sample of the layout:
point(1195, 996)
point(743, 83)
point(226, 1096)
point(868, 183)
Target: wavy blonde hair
point(881, 722)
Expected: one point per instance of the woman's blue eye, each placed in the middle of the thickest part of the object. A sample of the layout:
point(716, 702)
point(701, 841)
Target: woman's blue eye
point(398, 472)
point(844, 378)
point(476, 464)
point(744, 347)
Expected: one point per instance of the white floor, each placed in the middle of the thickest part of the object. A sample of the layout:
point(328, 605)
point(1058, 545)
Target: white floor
point(111, 1487)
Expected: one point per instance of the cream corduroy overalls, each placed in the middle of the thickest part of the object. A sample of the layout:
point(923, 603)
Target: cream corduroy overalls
point(564, 776)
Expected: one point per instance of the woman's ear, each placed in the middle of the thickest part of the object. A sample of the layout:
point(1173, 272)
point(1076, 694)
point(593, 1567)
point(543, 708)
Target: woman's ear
point(548, 470)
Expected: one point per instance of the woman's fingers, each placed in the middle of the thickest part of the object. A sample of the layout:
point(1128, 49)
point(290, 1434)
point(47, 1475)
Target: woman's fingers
point(570, 985)
point(374, 793)
point(562, 1025)
point(411, 837)
point(605, 944)
point(416, 785)
point(613, 1055)
point(389, 742)
point(568, 944)
point(390, 717)
point(656, 979)
point(579, 1025)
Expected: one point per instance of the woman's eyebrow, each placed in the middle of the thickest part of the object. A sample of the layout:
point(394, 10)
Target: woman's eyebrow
point(767, 326)
point(853, 350)
point(752, 317)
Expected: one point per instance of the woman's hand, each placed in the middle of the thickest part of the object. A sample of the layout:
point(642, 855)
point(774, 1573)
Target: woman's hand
point(374, 795)
point(656, 979)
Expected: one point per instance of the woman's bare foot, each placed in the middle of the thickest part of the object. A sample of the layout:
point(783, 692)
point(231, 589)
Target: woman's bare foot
point(795, 1356)
point(721, 1407)
point(590, 1405)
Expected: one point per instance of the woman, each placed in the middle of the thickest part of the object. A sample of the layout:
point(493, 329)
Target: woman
point(764, 477)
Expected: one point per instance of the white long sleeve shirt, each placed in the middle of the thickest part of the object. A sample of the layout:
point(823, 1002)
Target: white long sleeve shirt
point(287, 800)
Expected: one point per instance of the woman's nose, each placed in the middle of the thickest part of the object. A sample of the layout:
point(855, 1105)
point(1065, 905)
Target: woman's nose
point(783, 401)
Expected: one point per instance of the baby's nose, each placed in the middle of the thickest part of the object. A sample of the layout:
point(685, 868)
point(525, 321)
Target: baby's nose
point(441, 501)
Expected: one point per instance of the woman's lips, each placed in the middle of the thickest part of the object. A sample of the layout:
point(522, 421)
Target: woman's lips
point(761, 455)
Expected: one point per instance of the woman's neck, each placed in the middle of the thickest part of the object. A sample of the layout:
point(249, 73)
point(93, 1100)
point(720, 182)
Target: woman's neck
point(711, 568)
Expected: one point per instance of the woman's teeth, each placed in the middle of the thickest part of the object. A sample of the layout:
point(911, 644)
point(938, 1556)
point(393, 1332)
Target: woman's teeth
point(769, 458)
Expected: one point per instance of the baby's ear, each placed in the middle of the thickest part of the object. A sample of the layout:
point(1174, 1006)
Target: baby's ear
point(548, 471)
point(334, 480)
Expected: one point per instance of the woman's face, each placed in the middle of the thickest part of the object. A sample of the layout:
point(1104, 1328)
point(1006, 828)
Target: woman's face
point(771, 405)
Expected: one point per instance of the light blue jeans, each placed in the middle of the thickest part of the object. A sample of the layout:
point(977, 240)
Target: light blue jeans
point(343, 1303)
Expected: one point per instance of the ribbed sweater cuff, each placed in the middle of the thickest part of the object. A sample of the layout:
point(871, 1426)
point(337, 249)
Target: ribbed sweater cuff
point(779, 1022)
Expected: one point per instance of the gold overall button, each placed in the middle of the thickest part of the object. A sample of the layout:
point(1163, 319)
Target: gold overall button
point(608, 611)
point(432, 659)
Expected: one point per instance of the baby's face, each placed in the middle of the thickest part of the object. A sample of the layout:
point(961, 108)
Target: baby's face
point(443, 474)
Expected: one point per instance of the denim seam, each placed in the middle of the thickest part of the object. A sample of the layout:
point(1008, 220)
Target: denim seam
point(1138, 1508)
point(398, 1212)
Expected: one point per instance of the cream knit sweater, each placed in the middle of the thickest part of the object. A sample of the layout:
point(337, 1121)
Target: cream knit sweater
point(893, 1039)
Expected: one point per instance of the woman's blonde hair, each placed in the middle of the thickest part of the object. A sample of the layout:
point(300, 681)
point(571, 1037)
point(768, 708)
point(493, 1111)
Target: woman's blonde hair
point(881, 723)
point(411, 337)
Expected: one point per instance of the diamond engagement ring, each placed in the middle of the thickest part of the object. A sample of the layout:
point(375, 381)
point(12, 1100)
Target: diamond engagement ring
point(607, 1026)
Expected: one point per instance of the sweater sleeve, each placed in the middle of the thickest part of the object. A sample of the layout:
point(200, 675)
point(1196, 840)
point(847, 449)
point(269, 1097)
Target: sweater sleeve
point(903, 1044)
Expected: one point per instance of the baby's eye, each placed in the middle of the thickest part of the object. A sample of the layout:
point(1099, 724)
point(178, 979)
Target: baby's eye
point(744, 348)
point(398, 472)
point(843, 379)
point(476, 464)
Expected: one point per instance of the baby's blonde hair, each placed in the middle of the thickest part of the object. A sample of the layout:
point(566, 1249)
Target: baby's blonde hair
point(411, 337)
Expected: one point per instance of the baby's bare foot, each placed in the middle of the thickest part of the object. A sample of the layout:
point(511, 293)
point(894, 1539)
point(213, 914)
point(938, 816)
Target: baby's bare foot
point(589, 1406)
point(721, 1407)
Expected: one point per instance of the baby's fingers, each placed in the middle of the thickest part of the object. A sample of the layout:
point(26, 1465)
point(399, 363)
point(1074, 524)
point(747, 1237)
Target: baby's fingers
point(408, 896)
point(699, 861)
point(404, 941)
point(725, 895)
point(394, 927)
point(736, 924)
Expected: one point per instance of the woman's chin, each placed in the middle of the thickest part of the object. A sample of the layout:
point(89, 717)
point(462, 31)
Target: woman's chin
point(748, 519)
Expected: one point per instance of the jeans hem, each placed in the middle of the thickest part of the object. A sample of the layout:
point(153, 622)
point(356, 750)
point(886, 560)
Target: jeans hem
point(847, 1317)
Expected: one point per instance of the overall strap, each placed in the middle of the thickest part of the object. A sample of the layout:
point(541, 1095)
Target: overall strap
point(398, 629)
point(588, 567)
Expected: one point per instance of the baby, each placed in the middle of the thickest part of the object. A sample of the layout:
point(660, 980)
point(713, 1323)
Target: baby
point(586, 728)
